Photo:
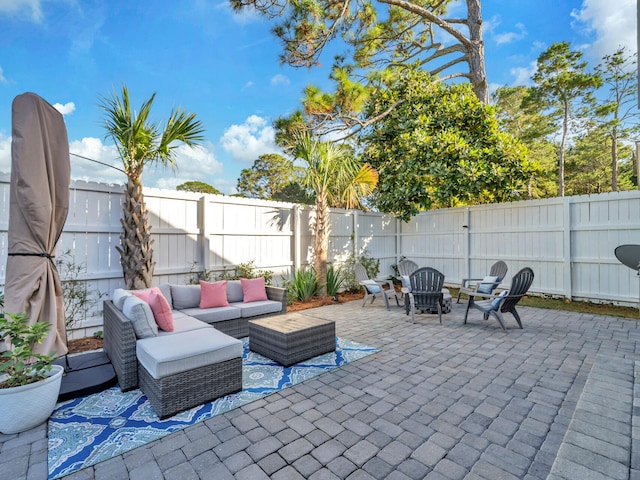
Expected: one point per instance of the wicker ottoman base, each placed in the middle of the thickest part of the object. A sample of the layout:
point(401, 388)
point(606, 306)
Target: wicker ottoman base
point(292, 338)
point(184, 390)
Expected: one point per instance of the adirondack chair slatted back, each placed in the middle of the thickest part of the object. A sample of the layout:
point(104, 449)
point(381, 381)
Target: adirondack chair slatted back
point(499, 269)
point(361, 272)
point(407, 267)
point(426, 287)
point(519, 286)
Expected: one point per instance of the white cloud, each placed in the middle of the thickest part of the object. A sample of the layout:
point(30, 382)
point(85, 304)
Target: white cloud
point(85, 169)
point(194, 164)
point(81, 169)
point(613, 26)
point(197, 164)
point(3, 79)
point(5, 154)
point(248, 141)
point(509, 37)
point(22, 9)
point(245, 16)
point(489, 25)
point(65, 109)
point(280, 79)
point(523, 74)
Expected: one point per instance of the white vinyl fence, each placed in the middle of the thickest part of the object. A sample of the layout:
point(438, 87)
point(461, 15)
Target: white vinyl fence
point(568, 242)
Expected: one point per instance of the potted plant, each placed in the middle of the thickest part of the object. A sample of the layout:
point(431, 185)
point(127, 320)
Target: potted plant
point(29, 382)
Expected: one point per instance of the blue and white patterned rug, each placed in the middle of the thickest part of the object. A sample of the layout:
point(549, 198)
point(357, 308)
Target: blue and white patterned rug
point(88, 430)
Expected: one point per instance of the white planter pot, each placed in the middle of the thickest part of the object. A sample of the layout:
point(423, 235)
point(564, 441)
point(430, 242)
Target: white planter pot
point(28, 406)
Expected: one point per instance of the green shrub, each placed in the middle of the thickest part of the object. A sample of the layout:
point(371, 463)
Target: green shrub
point(22, 365)
point(371, 265)
point(303, 285)
point(335, 279)
point(242, 270)
point(78, 297)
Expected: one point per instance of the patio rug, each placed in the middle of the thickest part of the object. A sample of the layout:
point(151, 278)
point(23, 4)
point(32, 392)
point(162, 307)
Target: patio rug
point(88, 430)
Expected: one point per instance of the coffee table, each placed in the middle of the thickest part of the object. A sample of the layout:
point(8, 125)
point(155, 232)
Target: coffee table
point(292, 338)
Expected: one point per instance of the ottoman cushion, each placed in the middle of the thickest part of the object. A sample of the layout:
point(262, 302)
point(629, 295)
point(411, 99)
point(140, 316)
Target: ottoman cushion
point(171, 354)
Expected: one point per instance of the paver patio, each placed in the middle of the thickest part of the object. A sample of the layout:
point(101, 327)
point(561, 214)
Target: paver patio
point(447, 401)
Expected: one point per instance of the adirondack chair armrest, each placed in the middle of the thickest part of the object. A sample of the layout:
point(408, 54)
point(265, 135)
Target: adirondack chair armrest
point(486, 296)
point(466, 281)
point(384, 281)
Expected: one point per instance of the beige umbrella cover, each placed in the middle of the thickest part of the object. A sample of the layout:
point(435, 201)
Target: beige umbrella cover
point(39, 202)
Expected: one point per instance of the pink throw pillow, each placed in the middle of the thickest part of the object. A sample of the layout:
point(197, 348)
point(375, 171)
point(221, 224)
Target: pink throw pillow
point(161, 310)
point(213, 294)
point(253, 289)
point(144, 294)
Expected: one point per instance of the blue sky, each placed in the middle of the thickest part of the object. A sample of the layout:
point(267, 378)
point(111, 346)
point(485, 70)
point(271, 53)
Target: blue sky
point(224, 67)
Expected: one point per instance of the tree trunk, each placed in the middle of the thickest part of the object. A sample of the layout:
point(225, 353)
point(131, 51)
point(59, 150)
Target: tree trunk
point(322, 241)
point(475, 52)
point(565, 129)
point(136, 252)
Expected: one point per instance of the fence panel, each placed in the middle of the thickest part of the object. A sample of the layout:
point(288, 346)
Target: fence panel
point(599, 223)
point(569, 242)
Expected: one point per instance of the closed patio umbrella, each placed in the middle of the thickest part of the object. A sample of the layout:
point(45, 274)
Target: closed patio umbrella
point(39, 202)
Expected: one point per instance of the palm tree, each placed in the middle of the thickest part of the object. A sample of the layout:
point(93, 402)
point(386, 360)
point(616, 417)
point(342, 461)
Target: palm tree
point(140, 142)
point(338, 180)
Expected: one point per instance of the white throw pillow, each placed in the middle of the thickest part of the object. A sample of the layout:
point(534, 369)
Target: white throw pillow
point(488, 284)
point(371, 286)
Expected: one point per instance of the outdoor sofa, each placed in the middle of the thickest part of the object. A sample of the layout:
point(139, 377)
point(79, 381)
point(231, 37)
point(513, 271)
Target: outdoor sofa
point(200, 360)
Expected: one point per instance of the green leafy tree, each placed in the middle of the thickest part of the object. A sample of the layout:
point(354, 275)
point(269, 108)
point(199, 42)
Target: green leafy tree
point(440, 148)
point(141, 142)
point(619, 110)
point(338, 179)
point(377, 35)
point(198, 187)
point(564, 88)
point(272, 177)
point(589, 163)
point(533, 128)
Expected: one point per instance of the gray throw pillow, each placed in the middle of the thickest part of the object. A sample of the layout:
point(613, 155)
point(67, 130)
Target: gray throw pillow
point(234, 291)
point(118, 297)
point(185, 296)
point(139, 313)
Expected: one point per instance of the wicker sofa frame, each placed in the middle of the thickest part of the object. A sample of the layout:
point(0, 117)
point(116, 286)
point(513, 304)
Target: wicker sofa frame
point(120, 338)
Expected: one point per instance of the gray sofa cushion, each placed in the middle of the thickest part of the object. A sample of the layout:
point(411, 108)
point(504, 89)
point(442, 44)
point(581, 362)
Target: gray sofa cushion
point(212, 315)
point(119, 294)
point(184, 323)
point(252, 309)
point(185, 296)
point(234, 291)
point(141, 317)
point(171, 354)
point(165, 288)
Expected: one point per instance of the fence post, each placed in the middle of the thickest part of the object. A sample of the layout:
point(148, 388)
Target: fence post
point(296, 238)
point(466, 243)
point(398, 240)
point(566, 238)
point(356, 235)
point(203, 234)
